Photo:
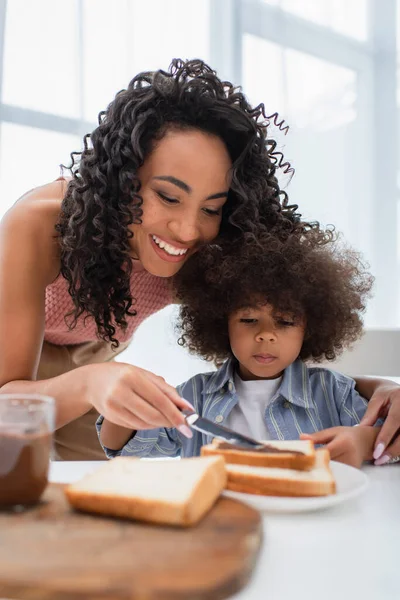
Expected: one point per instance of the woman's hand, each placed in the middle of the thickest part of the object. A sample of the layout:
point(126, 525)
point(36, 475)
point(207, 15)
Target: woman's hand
point(385, 404)
point(134, 398)
point(349, 445)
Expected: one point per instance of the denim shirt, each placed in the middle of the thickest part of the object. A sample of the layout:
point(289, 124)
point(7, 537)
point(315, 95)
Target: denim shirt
point(309, 399)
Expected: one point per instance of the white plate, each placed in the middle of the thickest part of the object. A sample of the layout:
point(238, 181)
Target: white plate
point(350, 482)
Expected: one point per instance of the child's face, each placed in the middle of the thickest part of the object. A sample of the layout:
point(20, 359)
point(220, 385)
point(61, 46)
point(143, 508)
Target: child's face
point(264, 343)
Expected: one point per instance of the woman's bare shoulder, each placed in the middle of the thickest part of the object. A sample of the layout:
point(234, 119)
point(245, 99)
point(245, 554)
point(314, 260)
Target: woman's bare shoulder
point(38, 210)
point(43, 200)
point(29, 225)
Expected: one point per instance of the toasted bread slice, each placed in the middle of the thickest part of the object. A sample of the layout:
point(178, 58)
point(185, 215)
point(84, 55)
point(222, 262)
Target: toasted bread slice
point(176, 492)
point(268, 481)
point(295, 454)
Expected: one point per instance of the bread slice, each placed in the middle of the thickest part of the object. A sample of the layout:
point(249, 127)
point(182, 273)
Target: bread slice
point(173, 492)
point(285, 460)
point(268, 481)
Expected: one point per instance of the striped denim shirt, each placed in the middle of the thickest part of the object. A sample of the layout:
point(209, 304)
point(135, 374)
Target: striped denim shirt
point(309, 399)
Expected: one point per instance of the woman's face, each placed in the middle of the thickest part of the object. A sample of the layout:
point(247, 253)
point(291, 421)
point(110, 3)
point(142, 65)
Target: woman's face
point(184, 185)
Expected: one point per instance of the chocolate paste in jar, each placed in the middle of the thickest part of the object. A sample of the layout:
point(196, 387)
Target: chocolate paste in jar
point(24, 465)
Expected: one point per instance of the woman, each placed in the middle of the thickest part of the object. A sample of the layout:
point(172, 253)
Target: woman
point(177, 159)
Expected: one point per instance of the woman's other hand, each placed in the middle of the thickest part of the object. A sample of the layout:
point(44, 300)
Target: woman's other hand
point(385, 404)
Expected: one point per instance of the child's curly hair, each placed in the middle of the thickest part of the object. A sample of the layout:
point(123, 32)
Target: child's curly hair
point(327, 285)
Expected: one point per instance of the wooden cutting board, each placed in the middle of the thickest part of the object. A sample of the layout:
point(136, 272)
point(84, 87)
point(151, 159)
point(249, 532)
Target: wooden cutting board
point(53, 553)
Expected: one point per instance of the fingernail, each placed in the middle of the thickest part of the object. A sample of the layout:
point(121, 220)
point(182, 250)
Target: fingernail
point(184, 429)
point(187, 403)
point(382, 461)
point(378, 451)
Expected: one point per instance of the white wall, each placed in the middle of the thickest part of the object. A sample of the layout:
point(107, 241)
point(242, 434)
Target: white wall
point(155, 348)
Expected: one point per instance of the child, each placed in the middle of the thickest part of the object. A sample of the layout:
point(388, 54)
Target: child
point(265, 308)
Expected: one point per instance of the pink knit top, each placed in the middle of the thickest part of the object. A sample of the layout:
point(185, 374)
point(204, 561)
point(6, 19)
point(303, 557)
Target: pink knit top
point(152, 294)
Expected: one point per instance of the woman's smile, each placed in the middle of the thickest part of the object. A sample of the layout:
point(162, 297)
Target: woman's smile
point(168, 250)
point(184, 184)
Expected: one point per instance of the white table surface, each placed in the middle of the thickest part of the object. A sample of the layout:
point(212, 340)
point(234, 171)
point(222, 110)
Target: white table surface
point(347, 552)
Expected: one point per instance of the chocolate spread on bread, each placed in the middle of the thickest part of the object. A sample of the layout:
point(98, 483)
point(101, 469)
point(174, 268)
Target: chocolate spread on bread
point(265, 448)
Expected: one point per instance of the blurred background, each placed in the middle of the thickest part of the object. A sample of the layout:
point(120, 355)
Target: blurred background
point(330, 68)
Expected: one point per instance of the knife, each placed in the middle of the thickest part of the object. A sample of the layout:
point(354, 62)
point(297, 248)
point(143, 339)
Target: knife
point(218, 431)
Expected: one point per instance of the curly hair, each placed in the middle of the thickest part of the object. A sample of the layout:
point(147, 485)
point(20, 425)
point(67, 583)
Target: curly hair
point(324, 285)
point(103, 197)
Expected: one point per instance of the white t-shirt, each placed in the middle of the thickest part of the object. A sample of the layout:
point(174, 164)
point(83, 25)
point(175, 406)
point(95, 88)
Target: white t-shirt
point(247, 417)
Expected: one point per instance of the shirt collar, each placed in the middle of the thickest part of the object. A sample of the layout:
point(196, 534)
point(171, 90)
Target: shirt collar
point(220, 378)
point(295, 386)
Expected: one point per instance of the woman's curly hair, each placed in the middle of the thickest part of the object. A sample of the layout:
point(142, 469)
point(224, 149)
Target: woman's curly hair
point(324, 285)
point(103, 197)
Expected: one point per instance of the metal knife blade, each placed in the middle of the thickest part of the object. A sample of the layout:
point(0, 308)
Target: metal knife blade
point(218, 431)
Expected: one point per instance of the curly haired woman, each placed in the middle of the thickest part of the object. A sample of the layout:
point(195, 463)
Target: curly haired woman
point(263, 308)
point(178, 158)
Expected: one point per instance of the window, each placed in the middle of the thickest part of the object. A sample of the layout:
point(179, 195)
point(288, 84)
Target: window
point(62, 67)
point(329, 69)
point(347, 18)
point(318, 100)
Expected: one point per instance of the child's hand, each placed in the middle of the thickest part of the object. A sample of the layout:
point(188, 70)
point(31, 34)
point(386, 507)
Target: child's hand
point(349, 445)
